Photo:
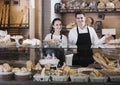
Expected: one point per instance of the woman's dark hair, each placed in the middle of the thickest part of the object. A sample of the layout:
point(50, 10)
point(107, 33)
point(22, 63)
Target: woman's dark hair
point(79, 12)
point(53, 22)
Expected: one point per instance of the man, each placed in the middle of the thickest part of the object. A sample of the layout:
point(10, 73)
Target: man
point(83, 37)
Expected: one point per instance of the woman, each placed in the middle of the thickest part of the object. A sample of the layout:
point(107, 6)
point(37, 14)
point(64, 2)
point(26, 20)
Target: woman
point(56, 36)
point(55, 33)
point(83, 37)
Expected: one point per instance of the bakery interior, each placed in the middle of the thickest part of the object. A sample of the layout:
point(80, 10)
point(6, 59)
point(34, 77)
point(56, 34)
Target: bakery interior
point(24, 25)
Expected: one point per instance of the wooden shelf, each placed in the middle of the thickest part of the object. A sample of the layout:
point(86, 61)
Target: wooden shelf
point(64, 11)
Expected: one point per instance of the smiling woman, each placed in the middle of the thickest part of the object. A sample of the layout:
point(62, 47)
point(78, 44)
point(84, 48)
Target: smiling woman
point(55, 35)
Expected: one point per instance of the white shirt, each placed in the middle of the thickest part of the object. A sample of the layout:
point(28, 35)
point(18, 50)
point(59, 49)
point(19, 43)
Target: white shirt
point(73, 35)
point(58, 38)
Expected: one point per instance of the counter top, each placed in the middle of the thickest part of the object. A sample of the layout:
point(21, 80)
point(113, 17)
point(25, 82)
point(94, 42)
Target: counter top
point(54, 83)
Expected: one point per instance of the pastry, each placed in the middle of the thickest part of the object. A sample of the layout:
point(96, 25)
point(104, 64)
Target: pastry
point(6, 67)
point(16, 69)
point(110, 6)
point(29, 65)
point(101, 6)
point(38, 67)
point(23, 69)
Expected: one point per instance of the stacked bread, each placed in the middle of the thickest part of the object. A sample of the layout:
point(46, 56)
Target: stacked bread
point(104, 61)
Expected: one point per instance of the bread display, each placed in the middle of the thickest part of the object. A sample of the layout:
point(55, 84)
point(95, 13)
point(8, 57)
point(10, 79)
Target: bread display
point(6, 72)
point(31, 42)
point(5, 67)
point(97, 76)
point(5, 39)
point(104, 61)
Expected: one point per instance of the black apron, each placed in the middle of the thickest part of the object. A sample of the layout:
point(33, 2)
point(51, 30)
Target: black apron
point(84, 55)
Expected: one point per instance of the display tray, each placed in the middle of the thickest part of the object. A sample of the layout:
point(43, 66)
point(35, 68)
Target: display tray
point(79, 78)
point(54, 83)
point(98, 79)
point(21, 76)
point(115, 78)
point(6, 76)
point(60, 78)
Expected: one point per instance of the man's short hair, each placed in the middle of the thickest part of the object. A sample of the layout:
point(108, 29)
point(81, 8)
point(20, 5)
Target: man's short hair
point(79, 12)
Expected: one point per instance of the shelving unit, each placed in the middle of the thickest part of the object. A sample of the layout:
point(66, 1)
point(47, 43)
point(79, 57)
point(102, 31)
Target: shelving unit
point(59, 9)
point(11, 19)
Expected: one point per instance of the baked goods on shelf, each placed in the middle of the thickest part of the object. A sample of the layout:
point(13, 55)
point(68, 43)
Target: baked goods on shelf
point(101, 6)
point(110, 6)
point(31, 42)
point(6, 72)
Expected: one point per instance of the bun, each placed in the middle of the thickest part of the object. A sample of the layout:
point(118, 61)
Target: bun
point(23, 69)
point(6, 67)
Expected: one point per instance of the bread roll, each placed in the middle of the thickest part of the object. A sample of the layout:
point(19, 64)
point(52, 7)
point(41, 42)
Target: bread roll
point(16, 69)
point(6, 67)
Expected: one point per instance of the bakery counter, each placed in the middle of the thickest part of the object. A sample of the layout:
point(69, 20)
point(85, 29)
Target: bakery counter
point(51, 83)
